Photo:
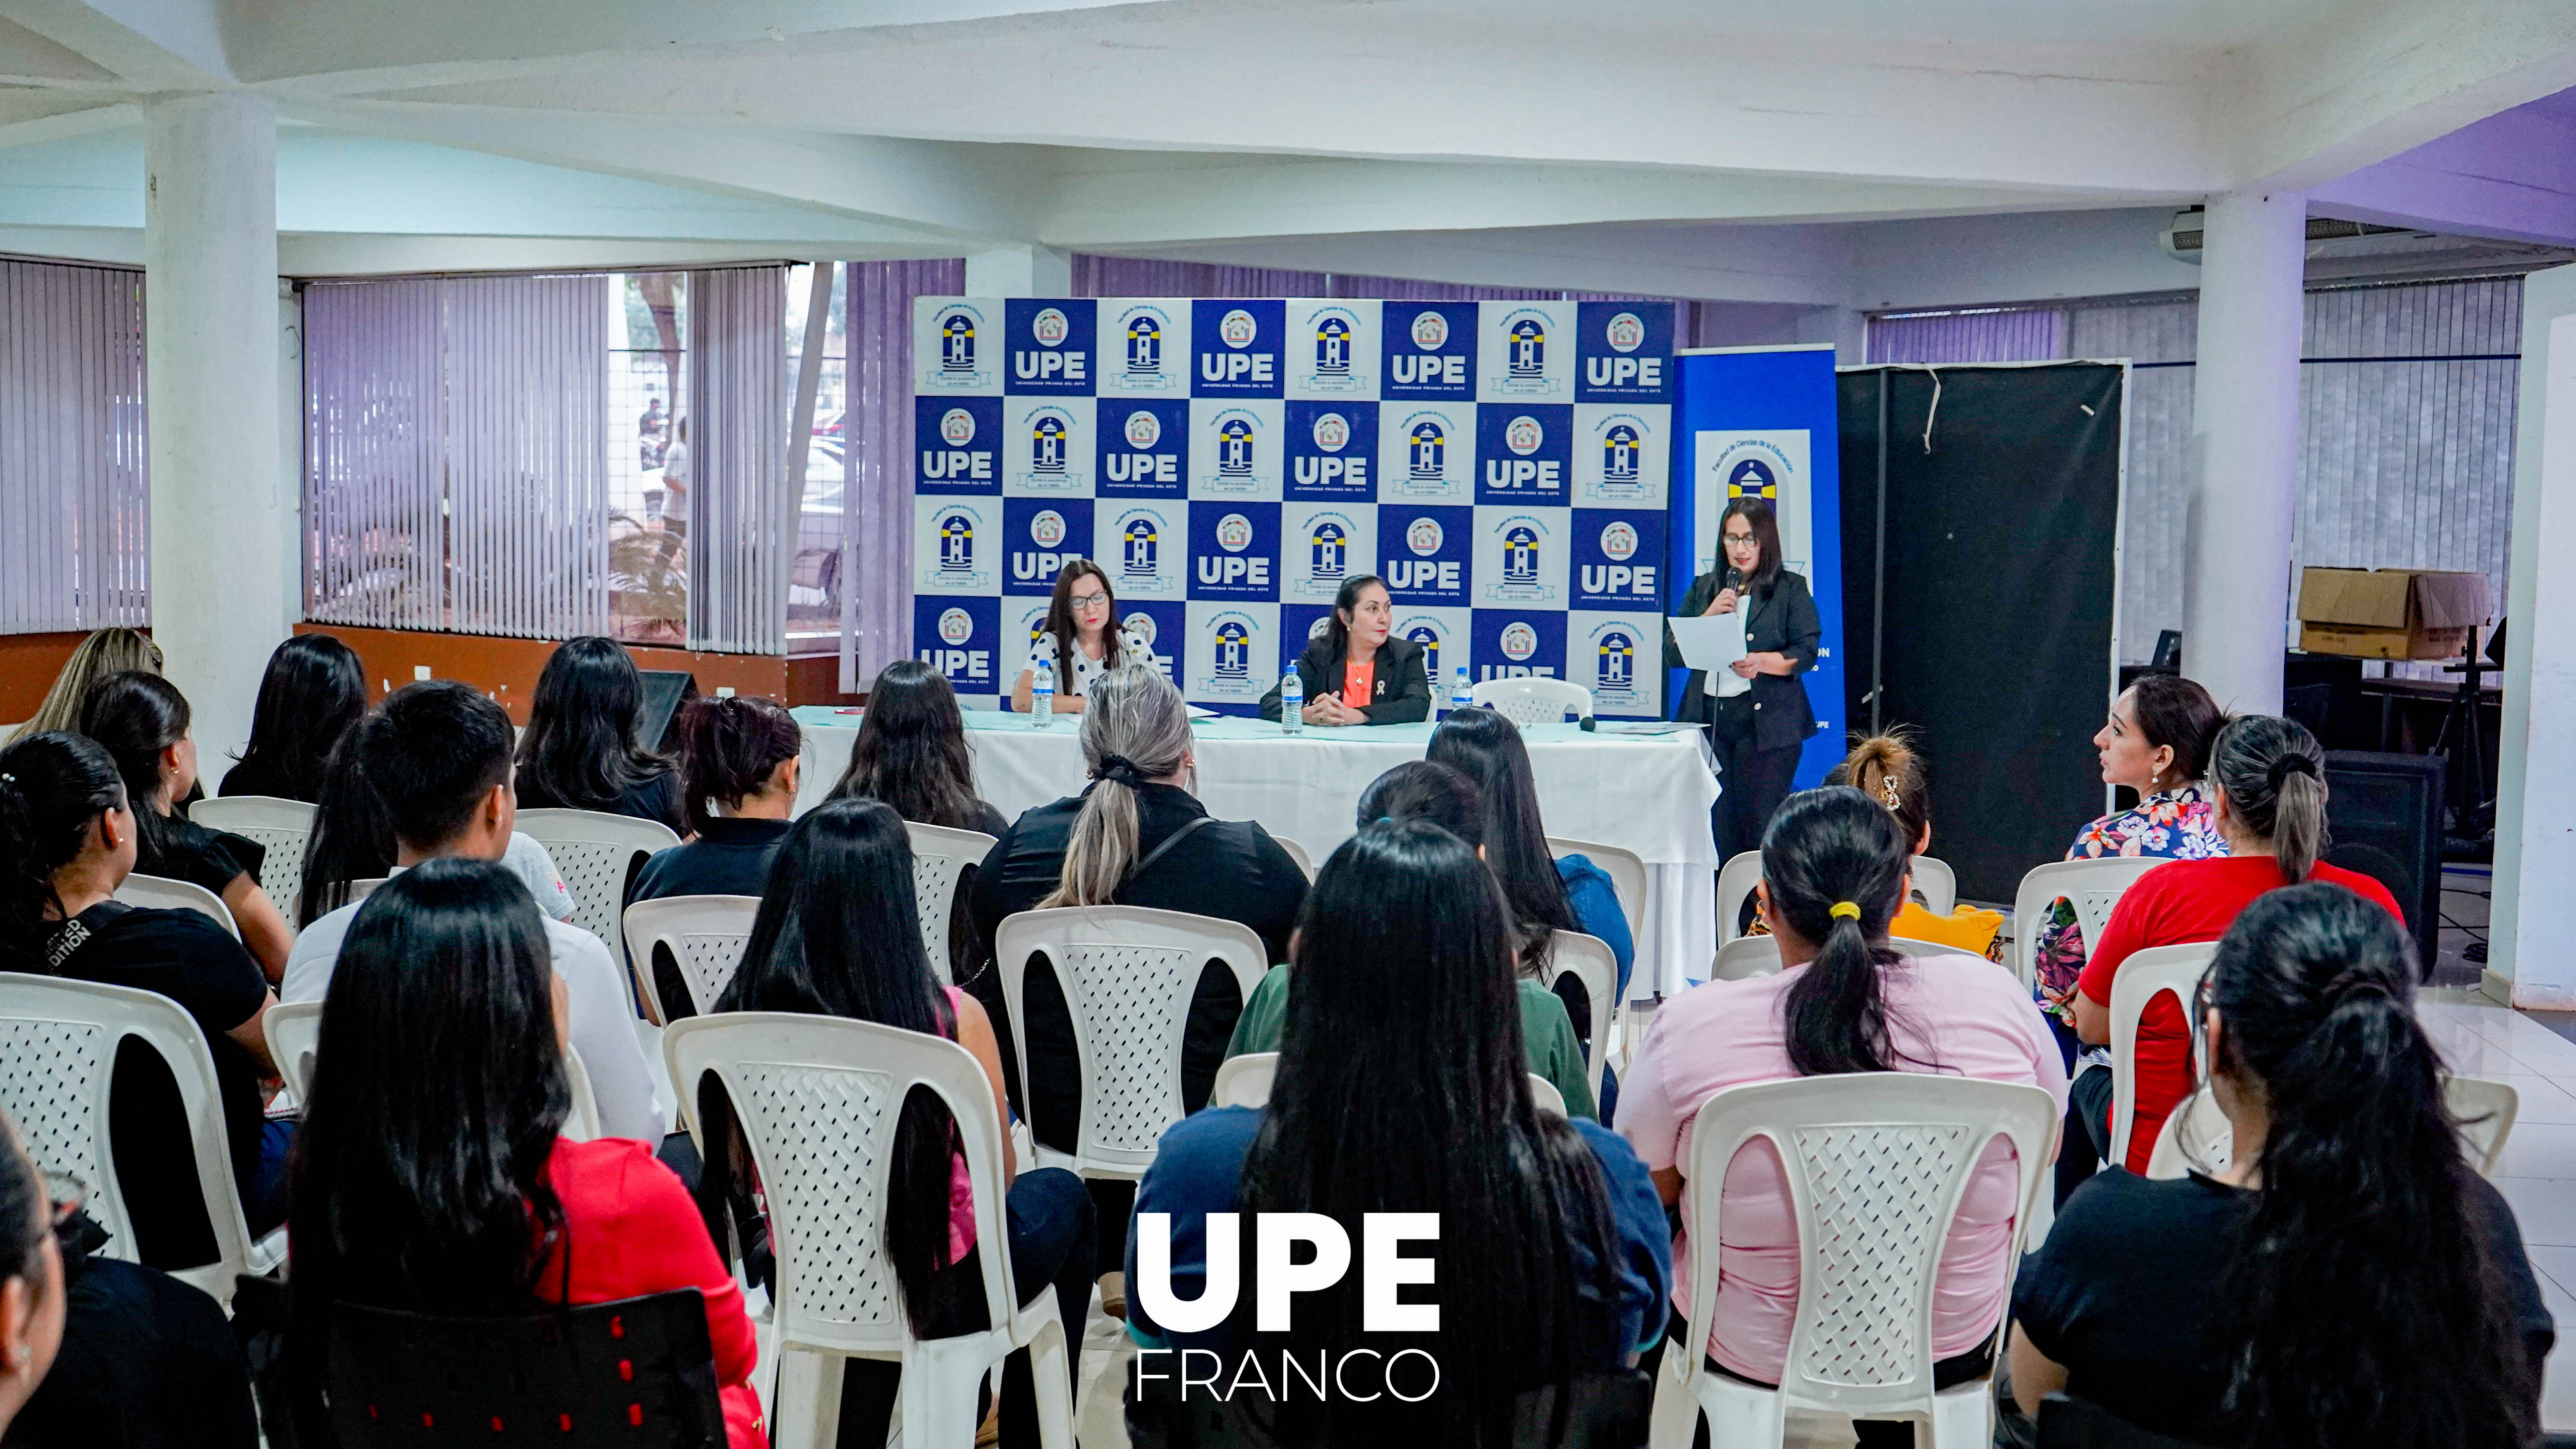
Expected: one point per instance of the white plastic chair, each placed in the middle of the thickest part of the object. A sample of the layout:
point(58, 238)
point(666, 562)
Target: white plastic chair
point(2485, 1111)
point(58, 1044)
point(1877, 1163)
point(2092, 887)
point(1588, 960)
point(160, 893)
point(940, 857)
point(595, 851)
point(1749, 956)
point(2157, 971)
point(1531, 700)
point(705, 935)
point(1245, 1081)
point(1627, 871)
point(294, 1030)
point(1128, 974)
point(365, 886)
point(818, 1099)
point(280, 826)
point(1934, 881)
point(2197, 1134)
point(1299, 854)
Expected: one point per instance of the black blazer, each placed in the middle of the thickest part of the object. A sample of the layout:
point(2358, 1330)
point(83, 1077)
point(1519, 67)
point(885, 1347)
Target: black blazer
point(1782, 620)
point(1403, 690)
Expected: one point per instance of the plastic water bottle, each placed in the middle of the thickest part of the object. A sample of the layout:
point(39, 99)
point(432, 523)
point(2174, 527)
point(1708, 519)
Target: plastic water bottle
point(1042, 696)
point(1292, 702)
point(1463, 693)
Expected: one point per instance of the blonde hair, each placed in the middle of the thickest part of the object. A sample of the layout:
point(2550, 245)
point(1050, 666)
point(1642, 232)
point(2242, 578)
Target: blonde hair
point(1134, 730)
point(113, 650)
point(1887, 770)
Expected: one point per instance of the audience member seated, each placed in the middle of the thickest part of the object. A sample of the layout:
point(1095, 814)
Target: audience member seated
point(1833, 876)
point(67, 841)
point(2156, 743)
point(739, 757)
point(142, 719)
point(437, 756)
point(1402, 1089)
point(2349, 1279)
point(139, 1359)
point(433, 1175)
point(1358, 672)
point(837, 936)
point(911, 754)
point(112, 650)
point(581, 750)
point(1886, 769)
point(353, 841)
point(2268, 782)
point(313, 694)
point(1421, 790)
point(1079, 640)
point(1135, 836)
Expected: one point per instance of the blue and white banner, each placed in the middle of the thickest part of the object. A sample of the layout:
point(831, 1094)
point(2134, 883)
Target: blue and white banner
point(1506, 467)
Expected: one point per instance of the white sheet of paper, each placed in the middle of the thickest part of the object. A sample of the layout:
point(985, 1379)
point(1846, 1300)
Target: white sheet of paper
point(1711, 642)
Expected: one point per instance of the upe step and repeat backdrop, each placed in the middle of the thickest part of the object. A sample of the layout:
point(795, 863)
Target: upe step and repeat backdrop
point(1505, 466)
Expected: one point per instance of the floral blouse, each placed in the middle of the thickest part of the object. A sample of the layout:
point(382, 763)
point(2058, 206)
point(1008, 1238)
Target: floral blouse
point(2178, 824)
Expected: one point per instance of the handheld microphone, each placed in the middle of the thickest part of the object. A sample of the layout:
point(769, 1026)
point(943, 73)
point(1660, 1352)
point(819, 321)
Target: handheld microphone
point(1735, 578)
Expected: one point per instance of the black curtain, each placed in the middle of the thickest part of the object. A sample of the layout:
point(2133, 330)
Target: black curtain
point(1979, 594)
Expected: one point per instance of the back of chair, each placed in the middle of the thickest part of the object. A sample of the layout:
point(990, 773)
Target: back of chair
point(1245, 1081)
point(940, 859)
point(640, 1371)
point(2067, 1422)
point(2197, 1135)
point(1735, 882)
point(2173, 971)
point(2485, 1111)
point(1298, 853)
point(2092, 887)
point(365, 886)
point(705, 936)
point(1877, 1165)
point(1936, 883)
point(1744, 958)
point(1588, 960)
point(596, 852)
point(1627, 871)
point(58, 1043)
point(280, 826)
point(294, 1030)
point(160, 893)
point(818, 1099)
point(1128, 974)
point(1531, 700)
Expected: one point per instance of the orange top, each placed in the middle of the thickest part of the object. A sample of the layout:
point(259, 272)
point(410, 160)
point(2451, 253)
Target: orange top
point(1359, 680)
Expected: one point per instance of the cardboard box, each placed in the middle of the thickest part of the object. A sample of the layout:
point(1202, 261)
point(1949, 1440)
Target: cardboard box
point(2390, 613)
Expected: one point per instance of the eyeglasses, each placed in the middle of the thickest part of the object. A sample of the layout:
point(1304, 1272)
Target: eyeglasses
point(1734, 539)
point(1087, 601)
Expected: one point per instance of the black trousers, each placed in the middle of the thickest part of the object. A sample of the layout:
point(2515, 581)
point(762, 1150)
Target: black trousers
point(1751, 781)
point(2086, 1142)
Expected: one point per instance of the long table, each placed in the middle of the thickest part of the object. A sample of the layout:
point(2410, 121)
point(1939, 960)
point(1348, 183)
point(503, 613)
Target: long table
point(1645, 793)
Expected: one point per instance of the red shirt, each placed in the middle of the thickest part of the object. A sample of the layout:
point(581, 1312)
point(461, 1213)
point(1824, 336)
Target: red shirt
point(634, 1230)
point(2174, 905)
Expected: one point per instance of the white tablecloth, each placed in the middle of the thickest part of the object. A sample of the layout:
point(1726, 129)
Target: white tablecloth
point(1648, 794)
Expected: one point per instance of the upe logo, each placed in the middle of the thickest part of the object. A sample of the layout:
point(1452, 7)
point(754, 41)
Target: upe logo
point(1430, 448)
point(1144, 351)
point(1141, 544)
point(1047, 529)
point(1281, 1274)
point(1237, 329)
point(1046, 445)
point(957, 427)
point(957, 343)
point(1234, 447)
point(1233, 663)
point(1617, 665)
point(1524, 435)
point(1625, 332)
point(1519, 641)
point(1144, 429)
point(1331, 544)
point(1234, 533)
point(1618, 540)
point(1319, 628)
point(1423, 537)
point(956, 626)
point(1332, 432)
point(1049, 328)
point(1520, 554)
point(1528, 347)
point(1140, 624)
point(1619, 454)
point(1430, 330)
point(1429, 638)
point(957, 546)
point(1332, 347)
point(1752, 479)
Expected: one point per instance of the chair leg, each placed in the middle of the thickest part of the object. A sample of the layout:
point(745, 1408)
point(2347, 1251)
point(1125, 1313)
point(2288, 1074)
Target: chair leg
point(807, 1411)
point(1051, 1362)
point(1962, 1417)
point(1740, 1415)
point(1676, 1412)
point(939, 1384)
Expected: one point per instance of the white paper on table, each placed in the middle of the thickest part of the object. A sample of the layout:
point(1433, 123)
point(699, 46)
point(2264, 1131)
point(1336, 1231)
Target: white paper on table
point(1197, 713)
point(1710, 643)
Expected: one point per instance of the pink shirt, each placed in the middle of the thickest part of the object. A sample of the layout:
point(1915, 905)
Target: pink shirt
point(1966, 1014)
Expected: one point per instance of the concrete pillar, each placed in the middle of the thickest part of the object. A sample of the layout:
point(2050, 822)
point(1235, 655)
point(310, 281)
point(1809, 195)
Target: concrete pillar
point(2244, 448)
point(1019, 271)
point(2535, 852)
point(221, 515)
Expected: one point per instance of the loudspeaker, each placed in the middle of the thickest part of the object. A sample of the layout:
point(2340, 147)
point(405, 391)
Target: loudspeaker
point(2384, 816)
point(665, 690)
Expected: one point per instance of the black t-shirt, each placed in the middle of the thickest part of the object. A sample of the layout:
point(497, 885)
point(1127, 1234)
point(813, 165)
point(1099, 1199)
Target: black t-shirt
point(188, 958)
point(257, 776)
point(729, 858)
point(180, 849)
point(2123, 1292)
point(656, 797)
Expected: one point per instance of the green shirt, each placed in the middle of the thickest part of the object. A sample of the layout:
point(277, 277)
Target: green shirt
point(1548, 1043)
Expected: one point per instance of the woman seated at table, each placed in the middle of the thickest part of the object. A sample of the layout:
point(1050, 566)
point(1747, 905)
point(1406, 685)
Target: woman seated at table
point(1422, 790)
point(1401, 1089)
point(1833, 876)
point(1886, 769)
point(1080, 640)
point(1356, 672)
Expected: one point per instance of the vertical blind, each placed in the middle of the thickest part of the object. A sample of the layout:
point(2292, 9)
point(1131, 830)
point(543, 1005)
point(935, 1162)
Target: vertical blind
point(75, 534)
point(876, 487)
point(743, 515)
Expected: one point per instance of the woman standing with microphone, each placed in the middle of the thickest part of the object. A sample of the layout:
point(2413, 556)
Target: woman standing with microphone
point(1757, 735)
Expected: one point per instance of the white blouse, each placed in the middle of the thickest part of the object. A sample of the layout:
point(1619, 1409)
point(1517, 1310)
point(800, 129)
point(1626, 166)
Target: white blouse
point(1132, 650)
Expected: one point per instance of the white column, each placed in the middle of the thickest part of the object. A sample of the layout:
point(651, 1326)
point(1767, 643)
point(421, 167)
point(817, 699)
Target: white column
point(2535, 854)
point(1019, 271)
point(2244, 448)
point(221, 599)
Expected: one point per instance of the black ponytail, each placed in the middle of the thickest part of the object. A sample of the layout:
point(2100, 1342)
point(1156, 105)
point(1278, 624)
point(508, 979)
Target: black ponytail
point(2362, 1302)
point(52, 786)
point(1834, 865)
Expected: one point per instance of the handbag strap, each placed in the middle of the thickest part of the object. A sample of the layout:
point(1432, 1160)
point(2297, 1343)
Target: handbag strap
point(1151, 856)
